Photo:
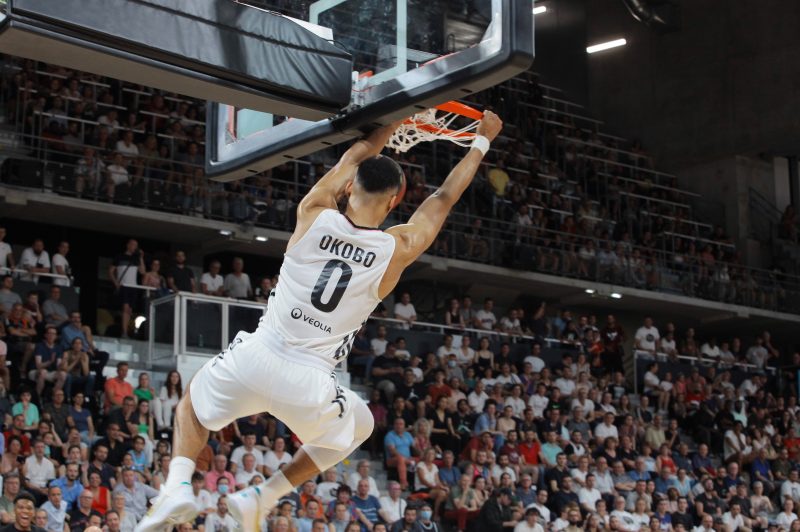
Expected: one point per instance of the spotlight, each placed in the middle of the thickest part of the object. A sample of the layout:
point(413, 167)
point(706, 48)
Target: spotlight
point(616, 295)
point(225, 232)
point(590, 291)
point(138, 321)
point(605, 46)
point(539, 10)
point(260, 238)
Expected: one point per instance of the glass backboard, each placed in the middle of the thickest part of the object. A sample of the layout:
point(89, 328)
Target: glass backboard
point(407, 55)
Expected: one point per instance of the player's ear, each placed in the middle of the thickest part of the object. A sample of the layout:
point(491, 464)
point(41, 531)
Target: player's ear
point(348, 188)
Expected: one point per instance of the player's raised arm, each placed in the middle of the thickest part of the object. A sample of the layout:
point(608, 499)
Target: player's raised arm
point(328, 190)
point(421, 230)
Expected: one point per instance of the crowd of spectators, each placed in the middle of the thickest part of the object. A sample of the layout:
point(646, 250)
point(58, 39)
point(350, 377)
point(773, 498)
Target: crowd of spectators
point(498, 440)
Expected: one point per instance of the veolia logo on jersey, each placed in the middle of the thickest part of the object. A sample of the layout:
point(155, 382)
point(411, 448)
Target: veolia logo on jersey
point(346, 250)
point(298, 314)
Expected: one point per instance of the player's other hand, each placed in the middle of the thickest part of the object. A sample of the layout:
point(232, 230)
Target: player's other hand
point(490, 125)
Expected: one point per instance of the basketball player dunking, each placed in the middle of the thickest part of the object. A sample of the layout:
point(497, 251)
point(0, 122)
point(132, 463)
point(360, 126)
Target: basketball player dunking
point(336, 269)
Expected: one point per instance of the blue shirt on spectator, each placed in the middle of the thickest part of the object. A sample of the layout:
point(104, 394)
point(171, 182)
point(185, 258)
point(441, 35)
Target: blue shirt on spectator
point(69, 333)
point(761, 467)
point(48, 353)
point(402, 443)
point(484, 423)
point(664, 484)
point(68, 494)
point(449, 475)
point(369, 507)
point(644, 475)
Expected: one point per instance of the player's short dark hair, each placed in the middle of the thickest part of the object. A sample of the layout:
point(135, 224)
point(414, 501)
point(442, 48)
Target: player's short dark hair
point(24, 496)
point(380, 174)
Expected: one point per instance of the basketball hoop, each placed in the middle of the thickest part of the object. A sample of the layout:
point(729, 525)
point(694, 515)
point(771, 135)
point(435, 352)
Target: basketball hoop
point(434, 124)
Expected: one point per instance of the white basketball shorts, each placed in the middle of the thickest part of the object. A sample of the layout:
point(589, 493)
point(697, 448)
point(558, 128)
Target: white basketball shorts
point(263, 374)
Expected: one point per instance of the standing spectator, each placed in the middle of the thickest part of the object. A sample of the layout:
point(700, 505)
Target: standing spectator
point(378, 344)
point(124, 272)
point(34, 260)
point(237, 283)
point(757, 354)
point(485, 318)
point(55, 313)
point(613, 337)
point(211, 282)
point(646, 339)
point(61, 265)
point(467, 312)
point(404, 310)
point(89, 173)
point(181, 277)
point(6, 253)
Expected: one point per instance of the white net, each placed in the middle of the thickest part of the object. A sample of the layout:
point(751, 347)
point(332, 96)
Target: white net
point(427, 126)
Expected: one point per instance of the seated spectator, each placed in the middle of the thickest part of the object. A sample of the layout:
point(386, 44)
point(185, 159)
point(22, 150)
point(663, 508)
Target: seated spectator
point(136, 494)
point(496, 513)
point(8, 298)
point(82, 512)
point(399, 450)
point(76, 329)
point(47, 361)
point(55, 314)
point(221, 519)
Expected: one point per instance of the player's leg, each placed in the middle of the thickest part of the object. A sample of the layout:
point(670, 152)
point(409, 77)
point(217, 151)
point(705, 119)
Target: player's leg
point(176, 502)
point(309, 461)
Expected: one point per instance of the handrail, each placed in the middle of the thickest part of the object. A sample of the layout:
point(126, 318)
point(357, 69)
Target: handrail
point(21, 271)
point(604, 147)
point(618, 163)
point(662, 357)
point(443, 328)
point(652, 185)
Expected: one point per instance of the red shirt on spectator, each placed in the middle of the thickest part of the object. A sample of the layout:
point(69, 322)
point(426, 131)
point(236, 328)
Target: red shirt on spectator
point(530, 452)
point(212, 477)
point(438, 390)
point(26, 442)
point(116, 390)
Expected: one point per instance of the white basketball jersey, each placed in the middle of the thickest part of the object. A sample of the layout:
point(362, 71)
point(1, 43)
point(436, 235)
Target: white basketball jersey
point(328, 286)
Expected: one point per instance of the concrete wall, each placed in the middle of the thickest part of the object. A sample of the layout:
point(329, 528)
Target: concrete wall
point(726, 83)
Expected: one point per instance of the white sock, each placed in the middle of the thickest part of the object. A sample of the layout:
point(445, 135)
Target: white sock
point(273, 489)
point(180, 472)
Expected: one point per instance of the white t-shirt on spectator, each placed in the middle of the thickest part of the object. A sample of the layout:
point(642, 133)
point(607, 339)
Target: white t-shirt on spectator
point(118, 174)
point(29, 258)
point(237, 456)
point(544, 511)
point(237, 285)
point(443, 352)
point(589, 497)
point(668, 346)
point(5, 251)
point(124, 149)
point(404, 312)
point(567, 386)
point(39, 474)
point(244, 477)
point(113, 125)
point(203, 500)
point(378, 346)
point(212, 283)
point(354, 478)
point(394, 509)
point(757, 355)
point(536, 363)
point(647, 337)
point(603, 431)
point(477, 401)
point(791, 489)
point(784, 521)
point(523, 526)
point(587, 407)
point(327, 491)
point(538, 403)
point(60, 260)
point(272, 461)
point(215, 522)
point(486, 318)
point(711, 352)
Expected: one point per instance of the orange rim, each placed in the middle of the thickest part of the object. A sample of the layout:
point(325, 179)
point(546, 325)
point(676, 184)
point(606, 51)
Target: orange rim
point(460, 109)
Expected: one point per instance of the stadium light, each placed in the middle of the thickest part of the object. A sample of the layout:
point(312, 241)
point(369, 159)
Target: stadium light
point(137, 323)
point(538, 10)
point(616, 295)
point(261, 238)
point(589, 291)
point(225, 232)
point(605, 46)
